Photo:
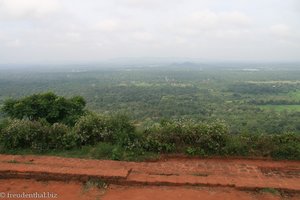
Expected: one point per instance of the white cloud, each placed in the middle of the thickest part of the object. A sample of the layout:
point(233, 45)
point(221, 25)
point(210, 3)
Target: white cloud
point(281, 30)
point(149, 4)
point(211, 23)
point(22, 9)
point(116, 25)
point(73, 36)
point(14, 43)
point(202, 20)
point(95, 30)
point(143, 36)
point(108, 25)
point(235, 18)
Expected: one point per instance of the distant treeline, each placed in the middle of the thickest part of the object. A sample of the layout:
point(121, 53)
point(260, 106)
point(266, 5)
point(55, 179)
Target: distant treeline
point(274, 102)
point(253, 88)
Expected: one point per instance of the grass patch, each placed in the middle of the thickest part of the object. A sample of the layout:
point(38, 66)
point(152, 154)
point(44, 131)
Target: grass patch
point(272, 191)
point(92, 183)
point(99, 151)
point(17, 162)
point(295, 95)
point(12, 161)
point(280, 108)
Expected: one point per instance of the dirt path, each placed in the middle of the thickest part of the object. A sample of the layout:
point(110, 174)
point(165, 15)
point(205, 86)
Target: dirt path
point(233, 175)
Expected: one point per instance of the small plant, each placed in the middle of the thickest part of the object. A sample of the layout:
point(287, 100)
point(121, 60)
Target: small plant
point(13, 161)
point(270, 190)
point(117, 153)
point(94, 183)
point(191, 151)
point(102, 151)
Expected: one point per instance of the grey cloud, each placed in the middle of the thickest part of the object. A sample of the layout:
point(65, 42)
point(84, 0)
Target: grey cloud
point(65, 30)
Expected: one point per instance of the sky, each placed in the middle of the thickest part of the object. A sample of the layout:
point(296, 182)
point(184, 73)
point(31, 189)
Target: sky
point(62, 31)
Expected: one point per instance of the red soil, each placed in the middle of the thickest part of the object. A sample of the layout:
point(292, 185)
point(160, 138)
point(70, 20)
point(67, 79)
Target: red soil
point(184, 175)
point(184, 193)
point(57, 190)
point(78, 191)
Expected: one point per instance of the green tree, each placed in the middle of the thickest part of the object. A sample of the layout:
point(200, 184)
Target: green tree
point(46, 106)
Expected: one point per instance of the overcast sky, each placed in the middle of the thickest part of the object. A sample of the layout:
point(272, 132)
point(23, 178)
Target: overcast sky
point(94, 30)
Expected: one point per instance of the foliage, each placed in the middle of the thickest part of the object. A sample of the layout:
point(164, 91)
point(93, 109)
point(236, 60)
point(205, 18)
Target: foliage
point(37, 135)
point(49, 123)
point(280, 146)
point(177, 135)
point(46, 106)
point(256, 88)
point(92, 129)
point(287, 146)
point(95, 128)
point(150, 94)
point(272, 191)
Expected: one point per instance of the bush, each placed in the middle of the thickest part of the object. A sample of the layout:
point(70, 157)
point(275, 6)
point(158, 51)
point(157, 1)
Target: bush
point(25, 134)
point(287, 146)
point(117, 139)
point(37, 135)
point(3, 124)
point(281, 146)
point(116, 129)
point(103, 151)
point(177, 135)
point(93, 128)
point(62, 137)
point(249, 145)
point(47, 106)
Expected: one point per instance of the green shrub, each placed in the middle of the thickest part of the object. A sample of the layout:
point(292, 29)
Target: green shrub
point(47, 106)
point(93, 128)
point(237, 145)
point(116, 129)
point(62, 137)
point(211, 138)
point(3, 124)
point(249, 145)
point(103, 150)
point(37, 135)
point(177, 135)
point(287, 146)
point(191, 151)
point(56, 133)
point(25, 134)
point(280, 146)
point(69, 141)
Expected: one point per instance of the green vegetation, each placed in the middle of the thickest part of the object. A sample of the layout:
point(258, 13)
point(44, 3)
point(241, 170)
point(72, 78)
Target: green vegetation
point(149, 95)
point(163, 110)
point(92, 183)
point(281, 108)
point(115, 137)
point(46, 106)
point(272, 191)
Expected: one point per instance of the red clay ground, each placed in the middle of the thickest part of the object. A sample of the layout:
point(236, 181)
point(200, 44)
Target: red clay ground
point(57, 190)
point(188, 193)
point(165, 179)
point(79, 191)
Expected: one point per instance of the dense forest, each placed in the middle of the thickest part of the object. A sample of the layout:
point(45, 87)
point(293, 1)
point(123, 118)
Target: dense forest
point(250, 99)
point(139, 112)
